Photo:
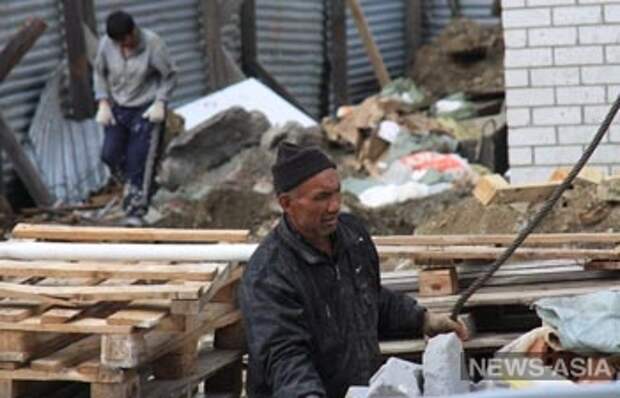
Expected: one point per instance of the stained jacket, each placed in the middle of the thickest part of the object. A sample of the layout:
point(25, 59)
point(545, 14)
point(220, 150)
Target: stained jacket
point(147, 75)
point(313, 322)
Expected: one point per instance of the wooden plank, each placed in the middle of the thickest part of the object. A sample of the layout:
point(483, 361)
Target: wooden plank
point(338, 52)
point(371, 47)
point(601, 265)
point(24, 168)
point(69, 356)
point(189, 307)
point(57, 269)
point(83, 325)
point(141, 318)
point(26, 292)
point(19, 44)
point(426, 253)
point(129, 388)
point(101, 234)
point(481, 341)
point(82, 103)
point(60, 315)
point(559, 239)
point(102, 293)
point(493, 189)
point(587, 175)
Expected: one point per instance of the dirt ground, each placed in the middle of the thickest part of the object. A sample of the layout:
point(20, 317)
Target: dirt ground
point(464, 57)
point(579, 210)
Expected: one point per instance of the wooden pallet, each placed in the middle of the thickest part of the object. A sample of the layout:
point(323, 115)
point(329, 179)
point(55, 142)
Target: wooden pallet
point(111, 324)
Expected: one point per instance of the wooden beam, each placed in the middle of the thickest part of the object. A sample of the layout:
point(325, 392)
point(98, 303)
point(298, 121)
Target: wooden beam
point(482, 341)
point(493, 189)
point(338, 52)
point(19, 44)
point(189, 272)
point(249, 51)
point(82, 98)
point(369, 43)
point(438, 282)
point(413, 30)
point(559, 239)
point(26, 171)
point(100, 234)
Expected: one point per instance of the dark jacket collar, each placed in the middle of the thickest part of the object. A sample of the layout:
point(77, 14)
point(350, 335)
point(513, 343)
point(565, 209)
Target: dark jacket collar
point(343, 238)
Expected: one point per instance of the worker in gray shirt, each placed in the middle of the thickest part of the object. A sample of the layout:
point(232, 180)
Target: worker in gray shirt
point(134, 78)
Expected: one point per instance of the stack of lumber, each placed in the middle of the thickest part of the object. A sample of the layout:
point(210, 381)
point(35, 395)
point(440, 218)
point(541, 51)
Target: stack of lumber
point(115, 324)
point(547, 265)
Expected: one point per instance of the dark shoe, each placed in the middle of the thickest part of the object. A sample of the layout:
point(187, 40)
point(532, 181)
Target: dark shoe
point(133, 222)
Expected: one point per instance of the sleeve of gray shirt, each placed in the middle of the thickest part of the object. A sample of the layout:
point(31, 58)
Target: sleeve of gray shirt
point(100, 72)
point(163, 63)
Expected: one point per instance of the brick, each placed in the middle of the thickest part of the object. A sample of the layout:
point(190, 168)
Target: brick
point(590, 55)
point(516, 77)
point(530, 97)
point(576, 134)
point(612, 54)
point(606, 153)
point(559, 115)
point(520, 175)
point(525, 18)
point(612, 93)
point(525, 137)
point(581, 95)
point(612, 13)
point(600, 74)
point(595, 114)
point(577, 15)
point(599, 34)
point(542, 3)
point(515, 38)
point(598, 1)
point(558, 155)
point(528, 57)
point(554, 77)
point(513, 4)
point(552, 36)
point(520, 156)
point(518, 117)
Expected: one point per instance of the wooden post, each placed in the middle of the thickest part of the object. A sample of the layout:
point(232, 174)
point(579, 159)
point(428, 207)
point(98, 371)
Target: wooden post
point(249, 53)
point(82, 100)
point(413, 30)
point(179, 363)
point(19, 45)
point(338, 52)
point(369, 43)
point(229, 379)
point(130, 388)
point(26, 171)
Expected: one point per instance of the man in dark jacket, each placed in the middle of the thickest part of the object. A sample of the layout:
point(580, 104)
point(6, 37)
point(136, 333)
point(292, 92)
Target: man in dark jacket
point(312, 302)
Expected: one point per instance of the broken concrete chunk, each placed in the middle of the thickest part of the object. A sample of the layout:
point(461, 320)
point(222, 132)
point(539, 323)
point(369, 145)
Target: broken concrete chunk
point(444, 366)
point(397, 379)
point(210, 144)
point(291, 132)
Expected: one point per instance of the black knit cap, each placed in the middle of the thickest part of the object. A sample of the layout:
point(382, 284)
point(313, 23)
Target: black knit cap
point(295, 164)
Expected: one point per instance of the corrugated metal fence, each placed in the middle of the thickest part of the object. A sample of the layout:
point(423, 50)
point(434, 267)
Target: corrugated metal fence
point(291, 41)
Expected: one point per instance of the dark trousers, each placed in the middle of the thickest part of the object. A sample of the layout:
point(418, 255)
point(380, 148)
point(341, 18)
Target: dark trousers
point(129, 150)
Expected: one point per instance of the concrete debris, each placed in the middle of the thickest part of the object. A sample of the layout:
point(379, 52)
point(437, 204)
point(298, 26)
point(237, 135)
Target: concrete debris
point(396, 378)
point(444, 366)
point(291, 132)
point(210, 144)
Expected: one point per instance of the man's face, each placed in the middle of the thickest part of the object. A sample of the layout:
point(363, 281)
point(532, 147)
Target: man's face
point(313, 207)
point(129, 42)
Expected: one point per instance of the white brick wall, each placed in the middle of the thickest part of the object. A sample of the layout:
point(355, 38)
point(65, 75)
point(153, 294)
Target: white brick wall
point(562, 74)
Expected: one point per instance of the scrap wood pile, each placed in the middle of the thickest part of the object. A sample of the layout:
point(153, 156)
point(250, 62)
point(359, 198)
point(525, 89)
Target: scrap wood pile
point(110, 322)
point(547, 267)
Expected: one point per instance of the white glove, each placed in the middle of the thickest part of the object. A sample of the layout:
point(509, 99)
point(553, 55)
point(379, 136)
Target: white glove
point(156, 112)
point(104, 114)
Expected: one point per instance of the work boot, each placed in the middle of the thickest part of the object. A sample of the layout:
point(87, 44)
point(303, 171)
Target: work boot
point(133, 222)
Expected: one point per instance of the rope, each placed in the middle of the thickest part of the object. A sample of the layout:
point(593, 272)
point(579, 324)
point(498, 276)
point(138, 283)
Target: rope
point(542, 213)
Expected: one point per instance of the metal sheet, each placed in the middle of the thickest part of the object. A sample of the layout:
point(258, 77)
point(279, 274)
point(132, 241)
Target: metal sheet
point(291, 42)
point(178, 23)
point(386, 20)
point(437, 14)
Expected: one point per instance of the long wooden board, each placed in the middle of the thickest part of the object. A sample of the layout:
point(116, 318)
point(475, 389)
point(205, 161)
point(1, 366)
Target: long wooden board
point(59, 269)
point(491, 253)
point(100, 234)
point(496, 239)
point(417, 346)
